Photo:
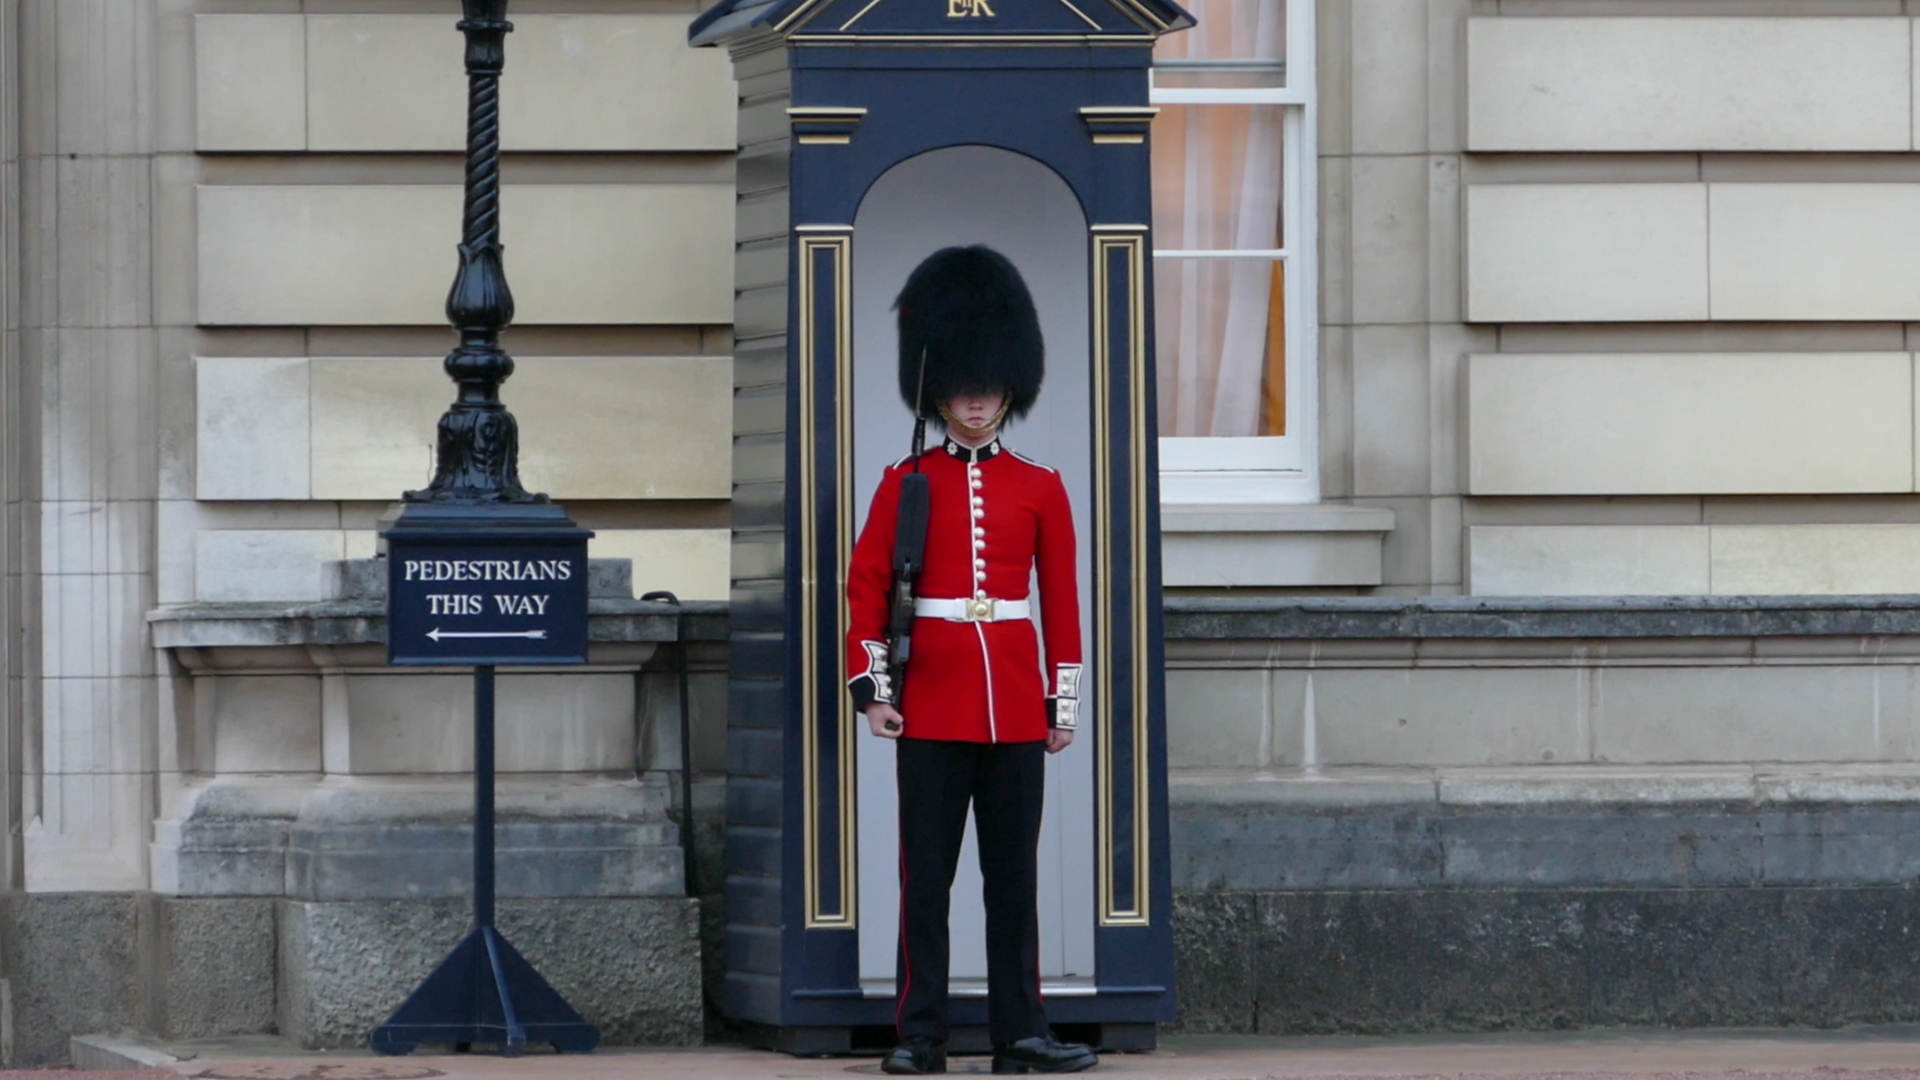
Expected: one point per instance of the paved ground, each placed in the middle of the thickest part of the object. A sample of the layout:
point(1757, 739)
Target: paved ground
point(1856, 1054)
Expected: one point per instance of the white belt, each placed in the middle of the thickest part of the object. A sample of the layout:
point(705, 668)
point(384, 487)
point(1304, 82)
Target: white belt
point(983, 610)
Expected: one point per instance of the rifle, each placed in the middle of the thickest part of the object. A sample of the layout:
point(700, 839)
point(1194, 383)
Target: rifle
point(909, 550)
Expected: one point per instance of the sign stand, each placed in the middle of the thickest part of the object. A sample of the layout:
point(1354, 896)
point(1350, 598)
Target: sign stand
point(484, 991)
point(482, 572)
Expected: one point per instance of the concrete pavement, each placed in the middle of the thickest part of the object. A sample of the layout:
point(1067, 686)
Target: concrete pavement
point(1879, 1053)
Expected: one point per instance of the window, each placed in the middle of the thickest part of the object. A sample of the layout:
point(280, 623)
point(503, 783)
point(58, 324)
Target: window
point(1233, 174)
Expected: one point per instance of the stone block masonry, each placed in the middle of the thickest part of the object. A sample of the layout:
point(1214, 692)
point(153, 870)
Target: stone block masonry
point(321, 975)
point(631, 966)
point(1374, 961)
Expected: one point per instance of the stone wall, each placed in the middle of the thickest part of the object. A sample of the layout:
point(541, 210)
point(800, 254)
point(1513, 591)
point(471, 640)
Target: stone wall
point(1486, 814)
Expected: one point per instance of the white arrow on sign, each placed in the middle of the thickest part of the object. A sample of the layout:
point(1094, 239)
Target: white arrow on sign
point(436, 634)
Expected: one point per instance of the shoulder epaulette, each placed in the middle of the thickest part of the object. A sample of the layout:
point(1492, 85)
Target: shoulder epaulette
point(1031, 462)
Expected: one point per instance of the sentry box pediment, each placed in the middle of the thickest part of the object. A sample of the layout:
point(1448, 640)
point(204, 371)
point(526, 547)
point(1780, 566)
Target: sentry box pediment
point(986, 22)
point(872, 133)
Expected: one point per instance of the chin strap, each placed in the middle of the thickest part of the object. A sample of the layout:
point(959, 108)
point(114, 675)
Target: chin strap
point(972, 429)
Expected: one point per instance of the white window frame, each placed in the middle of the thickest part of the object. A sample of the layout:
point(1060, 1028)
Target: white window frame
point(1285, 468)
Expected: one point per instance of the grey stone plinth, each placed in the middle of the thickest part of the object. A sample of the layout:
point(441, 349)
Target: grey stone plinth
point(415, 841)
point(1495, 618)
point(72, 966)
point(629, 965)
point(1214, 968)
point(212, 967)
point(227, 839)
point(531, 860)
point(1260, 831)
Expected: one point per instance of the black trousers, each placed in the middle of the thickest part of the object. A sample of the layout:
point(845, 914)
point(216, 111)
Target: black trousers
point(1006, 784)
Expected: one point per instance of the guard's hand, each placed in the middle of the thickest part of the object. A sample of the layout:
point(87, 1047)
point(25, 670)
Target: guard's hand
point(884, 720)
point(1059, 739)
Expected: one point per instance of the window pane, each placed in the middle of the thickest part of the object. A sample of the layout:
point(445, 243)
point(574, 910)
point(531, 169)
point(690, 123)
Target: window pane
point(1216, 177)
point(1229, 30)
point(1220, 330)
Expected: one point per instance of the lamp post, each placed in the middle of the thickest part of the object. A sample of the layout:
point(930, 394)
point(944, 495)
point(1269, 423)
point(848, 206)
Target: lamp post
point(477, 457)
point(480, 572)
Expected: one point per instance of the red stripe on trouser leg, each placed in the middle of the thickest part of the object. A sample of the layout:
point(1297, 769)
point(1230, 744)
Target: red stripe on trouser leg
point(906, 959)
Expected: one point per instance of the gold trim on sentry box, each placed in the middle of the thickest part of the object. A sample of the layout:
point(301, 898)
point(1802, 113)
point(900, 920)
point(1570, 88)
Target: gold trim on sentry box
point(848, 114)
point(1076, 11)
point(843, 918)
point(1110, 140)
point(1118, 114)
point(843, 140)
point(1133, 244)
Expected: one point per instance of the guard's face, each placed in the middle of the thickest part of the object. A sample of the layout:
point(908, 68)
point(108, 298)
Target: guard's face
point(978, 409)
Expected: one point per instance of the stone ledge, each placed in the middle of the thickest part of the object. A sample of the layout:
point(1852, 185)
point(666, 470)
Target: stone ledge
point(1563, 617)
point(1547, 785)
point(1224, 546)
point(412, 838)
point(114, 1053)
point(1546, 827)
point(1275, 517)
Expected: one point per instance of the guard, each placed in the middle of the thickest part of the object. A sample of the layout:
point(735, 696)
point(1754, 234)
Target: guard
point(977, 707)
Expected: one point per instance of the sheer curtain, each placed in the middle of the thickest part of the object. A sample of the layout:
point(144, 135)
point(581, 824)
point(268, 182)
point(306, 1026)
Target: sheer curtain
point(1217, 175)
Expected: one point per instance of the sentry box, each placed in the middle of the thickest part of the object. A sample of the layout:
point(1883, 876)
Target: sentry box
point(471, 586)
point(873, 133)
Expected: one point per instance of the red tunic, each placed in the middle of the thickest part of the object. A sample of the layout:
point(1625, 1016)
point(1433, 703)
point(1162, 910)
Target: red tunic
point(994, 517)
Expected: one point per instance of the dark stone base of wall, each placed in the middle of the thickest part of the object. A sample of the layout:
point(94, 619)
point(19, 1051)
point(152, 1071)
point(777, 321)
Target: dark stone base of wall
point(1422, 960)
point(71, 962)
point(630, 966)
point(319, 974)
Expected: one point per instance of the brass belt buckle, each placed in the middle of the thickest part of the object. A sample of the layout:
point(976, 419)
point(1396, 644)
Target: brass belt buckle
point(979, 610)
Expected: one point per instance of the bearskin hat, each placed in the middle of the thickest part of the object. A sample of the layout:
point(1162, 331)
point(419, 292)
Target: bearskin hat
point(969, 312)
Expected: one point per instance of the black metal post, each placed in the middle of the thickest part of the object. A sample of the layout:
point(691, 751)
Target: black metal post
point(484, 992)
point(483, 797)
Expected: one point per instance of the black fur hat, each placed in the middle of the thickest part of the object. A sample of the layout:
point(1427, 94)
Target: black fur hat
point(969, 311)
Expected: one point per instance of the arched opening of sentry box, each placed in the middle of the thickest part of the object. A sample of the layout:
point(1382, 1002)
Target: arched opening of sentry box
point(1021, 208)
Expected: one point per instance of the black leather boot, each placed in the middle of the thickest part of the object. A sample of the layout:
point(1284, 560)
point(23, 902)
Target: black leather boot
point(916, 1055)
point(1042, 1055)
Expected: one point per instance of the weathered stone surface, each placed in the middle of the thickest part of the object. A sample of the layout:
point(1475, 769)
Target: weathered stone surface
point(1849, 956)
point(1419, 960)
point(533, 860)
point(1603, 846)
point(72, 960)
point(1686, 957)
point(629, 965)
point(1842, 845)
point(1213, 965)
point(1222, 845)
point(213, 967)
point(1240, 851)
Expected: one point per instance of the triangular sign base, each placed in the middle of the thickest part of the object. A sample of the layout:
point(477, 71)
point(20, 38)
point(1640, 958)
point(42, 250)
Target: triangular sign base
point(485, 993)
